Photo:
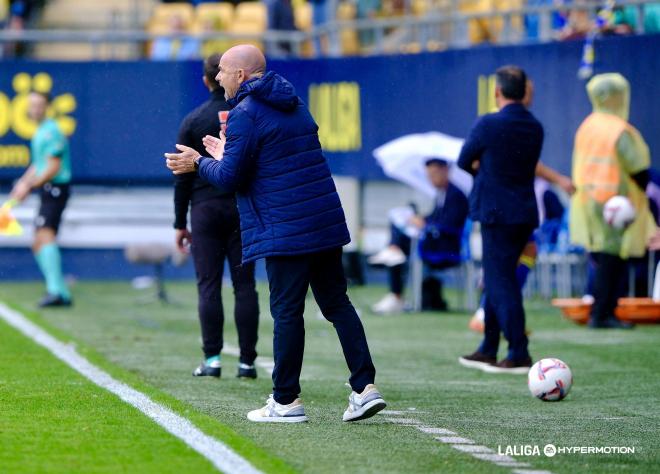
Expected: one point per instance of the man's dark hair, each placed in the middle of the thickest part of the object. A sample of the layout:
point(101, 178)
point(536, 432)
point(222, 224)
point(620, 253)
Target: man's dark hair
point(47, 97)
point(211, 65)
point(512, 81)
point(436, 162)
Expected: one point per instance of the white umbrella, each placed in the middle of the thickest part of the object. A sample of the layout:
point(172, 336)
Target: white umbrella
point(404, 159)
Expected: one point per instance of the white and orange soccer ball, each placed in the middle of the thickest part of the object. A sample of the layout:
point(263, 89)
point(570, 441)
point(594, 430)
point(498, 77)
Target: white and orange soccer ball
point(619, 212)
point(550, 380)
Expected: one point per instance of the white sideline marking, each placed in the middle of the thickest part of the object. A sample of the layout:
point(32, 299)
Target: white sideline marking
point(494, 457)
point(403, 421)
point(472, 448)
point(467, 446)
point(264, 362)
point(530, 471)
point(454, 440)
point(218, 453)
point(437, 431)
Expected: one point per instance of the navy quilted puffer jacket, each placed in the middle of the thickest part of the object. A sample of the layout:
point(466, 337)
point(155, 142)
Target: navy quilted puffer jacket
point(287, 199)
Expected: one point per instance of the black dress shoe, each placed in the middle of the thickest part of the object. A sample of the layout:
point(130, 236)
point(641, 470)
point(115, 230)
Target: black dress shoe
point(54, 301)
point(246, 371)
point(609, 323)
point(208, 370)
point(509, 366)
point(476, 360)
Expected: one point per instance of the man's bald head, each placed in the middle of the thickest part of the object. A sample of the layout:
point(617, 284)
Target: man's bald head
point(246, 57)
point(237, 65)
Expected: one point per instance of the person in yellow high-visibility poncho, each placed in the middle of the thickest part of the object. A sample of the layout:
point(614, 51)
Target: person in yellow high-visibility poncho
point(610, 158)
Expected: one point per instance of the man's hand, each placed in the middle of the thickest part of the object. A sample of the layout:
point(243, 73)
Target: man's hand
point(183, 240)
point(566, 184)
point(183, 162)
point(417, 221)
point(21, 191)
point(215, 146)
point(475, 165)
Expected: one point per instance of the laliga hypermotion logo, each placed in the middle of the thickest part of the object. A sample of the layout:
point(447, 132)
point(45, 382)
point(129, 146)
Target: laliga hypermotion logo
point(13, 113)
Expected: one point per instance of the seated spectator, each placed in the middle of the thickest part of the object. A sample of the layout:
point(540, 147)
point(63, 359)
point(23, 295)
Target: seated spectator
point(212, 46)
point(175, 47)
point(17, 14)
point(652, 18)
point(440, 241)
point(578, 24)
point(367, 9)
point(280, 18)
point(533, 20)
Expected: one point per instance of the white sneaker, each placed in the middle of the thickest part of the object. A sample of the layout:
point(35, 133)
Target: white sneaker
point(390, 257)
point(364, 405)
point(274, 412)
point(390, 304)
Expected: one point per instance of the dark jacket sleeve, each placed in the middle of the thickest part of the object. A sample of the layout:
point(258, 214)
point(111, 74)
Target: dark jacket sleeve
point(472, 149)
point(183, 183)
point(233, 171)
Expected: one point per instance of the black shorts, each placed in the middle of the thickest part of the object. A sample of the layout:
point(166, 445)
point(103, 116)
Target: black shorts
point(53, 201)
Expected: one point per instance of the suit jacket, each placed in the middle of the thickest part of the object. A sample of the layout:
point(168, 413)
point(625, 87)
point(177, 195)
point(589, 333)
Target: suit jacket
point(508, 146)
point(441, 241)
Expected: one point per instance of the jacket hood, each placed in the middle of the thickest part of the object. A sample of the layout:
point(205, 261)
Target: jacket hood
point(271, 89)
point(610, 94)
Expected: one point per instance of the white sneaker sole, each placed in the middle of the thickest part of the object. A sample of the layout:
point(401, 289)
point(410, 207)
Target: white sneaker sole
point(491, 369)
point(367, 411)
point(276, 419)
point(473, 364)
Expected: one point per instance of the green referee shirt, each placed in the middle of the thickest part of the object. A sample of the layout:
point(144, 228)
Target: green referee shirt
point(49, 141)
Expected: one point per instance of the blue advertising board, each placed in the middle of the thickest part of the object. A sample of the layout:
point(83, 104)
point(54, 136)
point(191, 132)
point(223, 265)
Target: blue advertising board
point(122, 116)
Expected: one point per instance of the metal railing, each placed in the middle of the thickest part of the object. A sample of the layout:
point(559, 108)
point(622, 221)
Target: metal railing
point(433, 31)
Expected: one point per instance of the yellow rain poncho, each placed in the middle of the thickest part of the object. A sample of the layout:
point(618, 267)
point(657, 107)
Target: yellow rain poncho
point(608, 151)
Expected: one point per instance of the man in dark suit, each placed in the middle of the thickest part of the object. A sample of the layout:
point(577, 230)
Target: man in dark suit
point(502, 152)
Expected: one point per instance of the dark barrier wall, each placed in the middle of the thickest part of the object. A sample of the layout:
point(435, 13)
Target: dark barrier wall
point(123, 116)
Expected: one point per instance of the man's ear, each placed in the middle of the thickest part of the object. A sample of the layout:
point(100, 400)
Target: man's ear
point(206, 81)
point(242, 77)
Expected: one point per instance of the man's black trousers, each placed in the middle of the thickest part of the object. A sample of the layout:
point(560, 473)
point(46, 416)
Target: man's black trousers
point(215, 236)
point(289, 278)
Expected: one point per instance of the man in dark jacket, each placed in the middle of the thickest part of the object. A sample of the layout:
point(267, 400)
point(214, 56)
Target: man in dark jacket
point(502, 152)
point(215, 237)
point(291, 215)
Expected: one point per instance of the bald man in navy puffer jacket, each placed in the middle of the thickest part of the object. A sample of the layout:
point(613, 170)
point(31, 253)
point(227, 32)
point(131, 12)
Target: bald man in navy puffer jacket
point(290, 215)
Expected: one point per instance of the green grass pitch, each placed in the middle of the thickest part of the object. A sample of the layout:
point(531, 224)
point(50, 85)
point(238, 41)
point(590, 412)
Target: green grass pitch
point(53, 420)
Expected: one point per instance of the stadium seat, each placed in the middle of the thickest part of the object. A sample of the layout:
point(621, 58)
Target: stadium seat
point(303, 16)
point(223, 11)
point(251, 17)
point(348, 37)
point(160, 20)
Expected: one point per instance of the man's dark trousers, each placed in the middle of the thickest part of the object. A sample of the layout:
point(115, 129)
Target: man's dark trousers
point(289, 278)
point(502, 246)
point(216, 236)
point(610, 271)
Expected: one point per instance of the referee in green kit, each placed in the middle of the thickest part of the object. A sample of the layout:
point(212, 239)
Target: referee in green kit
point(50, 173)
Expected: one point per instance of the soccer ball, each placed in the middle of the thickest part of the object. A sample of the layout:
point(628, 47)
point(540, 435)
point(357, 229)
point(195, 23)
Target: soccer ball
point(550, 380)
point(619, 212)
